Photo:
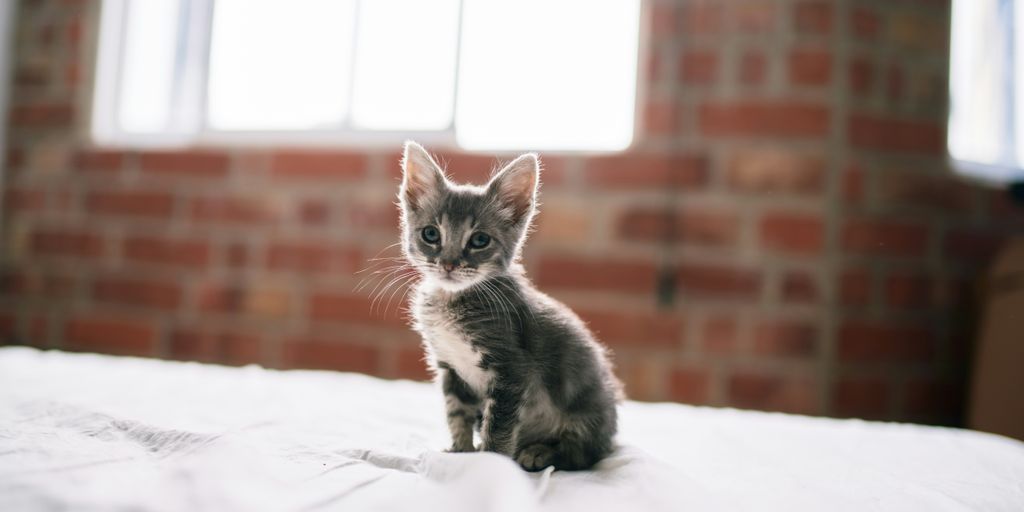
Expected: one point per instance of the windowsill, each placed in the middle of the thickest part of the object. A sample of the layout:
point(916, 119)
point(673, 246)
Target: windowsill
point(994, 176)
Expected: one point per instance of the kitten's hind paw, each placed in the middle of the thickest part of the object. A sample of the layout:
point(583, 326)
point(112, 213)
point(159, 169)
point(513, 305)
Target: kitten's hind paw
point(461, 449)
point(535, 457)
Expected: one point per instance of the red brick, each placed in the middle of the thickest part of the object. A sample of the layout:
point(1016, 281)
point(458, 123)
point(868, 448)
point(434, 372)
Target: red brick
point(786, 392)
point(468, 167)
point(785, 338)
point(861, 75)
point(14, 158)
point(31, 74)
point(755, 16)
point(853, 185)
point(655, 66)
point(238, 254)
point(876, 342)
point(334, 307)
point(8, 327)
point(131, 203)
point(24, 200)
point(774, 170)
point(314, 212)
point(637, 330)
point(903, 291)
point(110, 335)
point(168, 251)
point(713, 227)
point(67, 242)
point(895, 83)
point(42, 115)
point(588, 273)
point(318, 165)
point(216, 346)
point(643, 378)
point(705, 17)
point(99, 161)
point(411, 364)
point(331, 354)
point(15, 282)
point(188, 164)
point(855, 287)
point(884, 237)
point(698, 67)
point(234, 210)
point(661, 118)
point(924, 191)
point(50, 284)
point(690, 385)
point(862, 397)
point(646, 171)
point(720, 335)
point(137, 292)
point(718, 280)
point(810, 67)
point(770, 118)
point(664, 23)
point(864, 23)
point(972, 245)
point(254, 300)
point(311, 257)
point(813, 17)
point(799, 288)
point(370, 217)
point(792, 233)
point(891, 134)
point(753, 68)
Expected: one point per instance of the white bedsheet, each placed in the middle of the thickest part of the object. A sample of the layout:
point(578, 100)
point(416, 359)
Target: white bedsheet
point(91, 432)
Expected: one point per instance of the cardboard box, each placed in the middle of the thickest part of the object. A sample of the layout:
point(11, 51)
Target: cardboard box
point(997, 391)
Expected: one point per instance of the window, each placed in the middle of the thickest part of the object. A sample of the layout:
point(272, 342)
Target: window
point(486, 75)
point(986, 117)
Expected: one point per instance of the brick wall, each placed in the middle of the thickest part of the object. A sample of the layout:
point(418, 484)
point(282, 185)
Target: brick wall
point(784, 235)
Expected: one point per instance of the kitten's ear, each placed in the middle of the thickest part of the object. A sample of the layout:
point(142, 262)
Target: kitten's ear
point(515, 186)
point(421, 176)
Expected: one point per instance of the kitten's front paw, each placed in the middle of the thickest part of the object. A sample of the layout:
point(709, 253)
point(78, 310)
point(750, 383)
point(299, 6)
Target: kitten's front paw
point(461, 448)
point(535, 457)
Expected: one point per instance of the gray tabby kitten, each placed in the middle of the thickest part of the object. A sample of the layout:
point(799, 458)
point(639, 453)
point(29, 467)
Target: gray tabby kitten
point(515, 364)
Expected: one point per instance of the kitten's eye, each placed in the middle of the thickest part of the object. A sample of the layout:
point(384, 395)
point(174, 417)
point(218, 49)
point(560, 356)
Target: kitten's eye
point(479, 240)
point(431, 235)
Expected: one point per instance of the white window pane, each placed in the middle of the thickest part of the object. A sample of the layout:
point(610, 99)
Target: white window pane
point(405, 64)
point(978, 74)
point(1018, 86)
point(280, 64)
point(537, 74)
point(150, 49)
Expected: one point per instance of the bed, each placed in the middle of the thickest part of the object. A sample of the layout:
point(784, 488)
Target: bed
point(91, 432)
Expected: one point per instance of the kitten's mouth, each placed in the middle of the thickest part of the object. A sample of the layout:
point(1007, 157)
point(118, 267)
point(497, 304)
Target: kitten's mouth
point(454, 281)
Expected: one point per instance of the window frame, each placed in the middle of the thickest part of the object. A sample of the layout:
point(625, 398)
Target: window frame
point(191, 129)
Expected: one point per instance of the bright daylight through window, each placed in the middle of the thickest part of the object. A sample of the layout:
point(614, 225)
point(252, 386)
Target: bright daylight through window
point(986, 117)
point(481, 74)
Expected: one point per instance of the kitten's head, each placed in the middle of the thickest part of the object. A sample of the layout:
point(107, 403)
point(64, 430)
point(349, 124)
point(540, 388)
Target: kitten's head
point(458, 235)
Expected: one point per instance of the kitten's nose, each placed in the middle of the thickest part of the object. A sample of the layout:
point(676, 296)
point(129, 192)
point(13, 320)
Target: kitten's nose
point(449, 266)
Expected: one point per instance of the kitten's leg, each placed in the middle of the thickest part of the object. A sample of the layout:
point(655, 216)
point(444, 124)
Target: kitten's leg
point(462, 406)
point(585, 441)
point(501, 413)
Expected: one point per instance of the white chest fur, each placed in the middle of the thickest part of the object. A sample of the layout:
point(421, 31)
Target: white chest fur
point(448, 344)
point(454, 349)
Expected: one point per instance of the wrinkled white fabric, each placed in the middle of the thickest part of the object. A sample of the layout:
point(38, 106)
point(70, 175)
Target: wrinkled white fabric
point(91, 432)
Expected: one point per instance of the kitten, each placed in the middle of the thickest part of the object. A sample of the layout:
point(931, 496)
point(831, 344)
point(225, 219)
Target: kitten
point(514, 363)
